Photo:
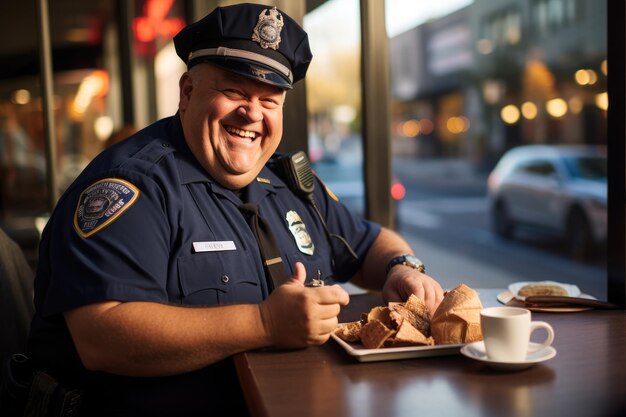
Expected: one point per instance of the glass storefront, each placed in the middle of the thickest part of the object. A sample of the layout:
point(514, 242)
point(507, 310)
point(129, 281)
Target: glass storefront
point(468, 80)
point(334, 99)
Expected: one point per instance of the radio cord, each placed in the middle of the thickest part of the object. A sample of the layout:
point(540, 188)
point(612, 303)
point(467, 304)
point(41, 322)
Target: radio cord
point(330, 235)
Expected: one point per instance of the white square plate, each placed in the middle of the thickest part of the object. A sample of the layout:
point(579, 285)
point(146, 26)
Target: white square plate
point(362, 354)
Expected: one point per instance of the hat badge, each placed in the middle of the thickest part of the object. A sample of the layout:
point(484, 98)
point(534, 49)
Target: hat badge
point(259, 73)
point(267, 30)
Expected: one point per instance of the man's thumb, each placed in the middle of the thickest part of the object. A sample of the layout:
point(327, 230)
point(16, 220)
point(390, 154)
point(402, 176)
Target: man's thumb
point(299, 275)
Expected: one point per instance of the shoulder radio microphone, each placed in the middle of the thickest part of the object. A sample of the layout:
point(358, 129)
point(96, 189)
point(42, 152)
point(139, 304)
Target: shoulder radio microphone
point(294, 168)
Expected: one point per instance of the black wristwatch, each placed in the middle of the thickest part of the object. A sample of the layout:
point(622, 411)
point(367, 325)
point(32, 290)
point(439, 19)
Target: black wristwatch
point(408, 260)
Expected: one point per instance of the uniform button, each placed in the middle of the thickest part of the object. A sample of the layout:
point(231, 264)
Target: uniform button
point(225, 279)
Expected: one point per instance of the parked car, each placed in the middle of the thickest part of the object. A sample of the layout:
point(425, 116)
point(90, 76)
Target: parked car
point(558, 187)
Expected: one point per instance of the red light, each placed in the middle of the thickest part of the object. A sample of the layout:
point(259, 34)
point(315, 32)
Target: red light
point(155, 21)
point(171, 27)
point(397, 191)
point(144, 31)
point(157, 10)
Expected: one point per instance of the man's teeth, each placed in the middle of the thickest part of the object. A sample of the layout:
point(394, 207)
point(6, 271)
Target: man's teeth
point(242, 133)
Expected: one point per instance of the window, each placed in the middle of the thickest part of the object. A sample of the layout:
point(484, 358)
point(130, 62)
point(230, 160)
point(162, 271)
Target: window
point(334, 99)
point(554, 14)
point(547, 86)
point(589, 168)
point(540, 168)
point(503, 28)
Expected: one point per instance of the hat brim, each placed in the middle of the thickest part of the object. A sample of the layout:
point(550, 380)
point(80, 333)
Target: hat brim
point(248, 69)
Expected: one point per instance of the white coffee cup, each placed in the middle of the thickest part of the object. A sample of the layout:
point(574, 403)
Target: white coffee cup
point(506, 333)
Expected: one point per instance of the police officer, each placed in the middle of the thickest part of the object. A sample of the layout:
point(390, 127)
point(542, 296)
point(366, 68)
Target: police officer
point(150, 277)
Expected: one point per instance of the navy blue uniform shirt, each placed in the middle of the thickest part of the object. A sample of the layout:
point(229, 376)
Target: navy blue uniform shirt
point(145, 222)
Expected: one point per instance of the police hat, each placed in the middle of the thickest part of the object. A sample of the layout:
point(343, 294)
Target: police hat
point(256, 41)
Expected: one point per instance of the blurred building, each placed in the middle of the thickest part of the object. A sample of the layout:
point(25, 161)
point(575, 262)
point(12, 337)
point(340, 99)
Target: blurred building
point(500, 73)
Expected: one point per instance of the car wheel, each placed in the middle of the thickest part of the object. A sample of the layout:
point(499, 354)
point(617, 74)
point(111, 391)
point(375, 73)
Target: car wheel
point(579, 239)
point(501, 220)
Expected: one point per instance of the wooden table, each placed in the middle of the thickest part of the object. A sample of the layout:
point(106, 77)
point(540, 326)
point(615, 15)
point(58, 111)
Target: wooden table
point(587, 378)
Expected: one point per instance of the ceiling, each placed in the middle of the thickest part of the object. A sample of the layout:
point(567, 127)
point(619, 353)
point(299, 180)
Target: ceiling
point(70, 21)
point(75, 28)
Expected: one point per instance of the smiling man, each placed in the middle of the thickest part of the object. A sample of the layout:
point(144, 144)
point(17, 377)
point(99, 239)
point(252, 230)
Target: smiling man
point(154, 268)
point(232, 124)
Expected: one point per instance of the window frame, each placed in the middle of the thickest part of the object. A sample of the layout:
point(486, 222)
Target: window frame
point(616, 259)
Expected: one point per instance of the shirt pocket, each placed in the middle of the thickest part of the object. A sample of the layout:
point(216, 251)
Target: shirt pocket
point(214, 278)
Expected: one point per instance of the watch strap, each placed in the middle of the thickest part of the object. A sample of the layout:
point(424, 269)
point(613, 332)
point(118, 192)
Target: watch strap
point(408, 260)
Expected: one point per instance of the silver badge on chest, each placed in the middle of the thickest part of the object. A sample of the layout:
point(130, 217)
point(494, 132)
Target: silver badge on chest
point(299, 232)
point(267, 30)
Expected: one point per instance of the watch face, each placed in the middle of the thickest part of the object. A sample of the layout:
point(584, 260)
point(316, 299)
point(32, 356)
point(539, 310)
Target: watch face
point(413, 261)
point(408, 260)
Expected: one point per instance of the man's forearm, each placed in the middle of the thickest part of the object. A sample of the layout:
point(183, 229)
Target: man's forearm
point(387, 245)
point(151, 339)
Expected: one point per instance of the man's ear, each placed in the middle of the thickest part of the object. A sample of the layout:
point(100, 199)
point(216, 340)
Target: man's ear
point(185, 85)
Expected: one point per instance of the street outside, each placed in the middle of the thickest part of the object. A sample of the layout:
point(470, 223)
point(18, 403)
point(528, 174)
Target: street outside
point(445, 218)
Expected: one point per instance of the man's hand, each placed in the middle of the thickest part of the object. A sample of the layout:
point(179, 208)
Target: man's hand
point(297, 316)
point(402, 281)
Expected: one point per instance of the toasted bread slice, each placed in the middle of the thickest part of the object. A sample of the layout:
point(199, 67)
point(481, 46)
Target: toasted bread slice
point(350, 332)
point(415, 311)
point(542, 289)
point(381, 314)
point(374, 334)
point(407, 335)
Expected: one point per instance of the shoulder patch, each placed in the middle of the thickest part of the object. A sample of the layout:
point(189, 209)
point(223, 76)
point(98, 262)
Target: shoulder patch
point(101, 203)
point(330, 193)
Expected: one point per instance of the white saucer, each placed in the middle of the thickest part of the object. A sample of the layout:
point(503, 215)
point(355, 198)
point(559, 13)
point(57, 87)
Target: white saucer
point(476, 351)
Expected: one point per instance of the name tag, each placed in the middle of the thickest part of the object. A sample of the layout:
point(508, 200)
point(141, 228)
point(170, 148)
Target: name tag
point(214, 246)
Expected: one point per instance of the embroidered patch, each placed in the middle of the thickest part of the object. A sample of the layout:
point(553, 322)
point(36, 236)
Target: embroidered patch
point(101, 203)
point(299, 232)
